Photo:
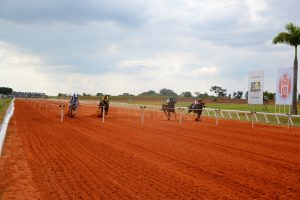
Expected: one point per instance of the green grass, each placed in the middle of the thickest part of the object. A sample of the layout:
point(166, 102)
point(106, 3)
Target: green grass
point(4, 104)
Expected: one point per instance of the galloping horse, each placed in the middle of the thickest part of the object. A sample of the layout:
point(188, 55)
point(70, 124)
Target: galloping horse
point(73, 105)
point(197, 108)
point(103, 103)
point(168, 107)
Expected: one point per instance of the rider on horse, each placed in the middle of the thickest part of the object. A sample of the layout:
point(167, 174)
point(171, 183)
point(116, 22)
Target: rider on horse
point(74, 100)
point(197, 107)
point(169, 106)
point(73, 104)
point(197, 102)
point(104, 103)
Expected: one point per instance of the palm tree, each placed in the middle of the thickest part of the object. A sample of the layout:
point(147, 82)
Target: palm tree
point(292, 38)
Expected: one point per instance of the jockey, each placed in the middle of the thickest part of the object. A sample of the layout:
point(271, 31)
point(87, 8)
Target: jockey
point(104, 101)
point(196, 103)
point(169, 100)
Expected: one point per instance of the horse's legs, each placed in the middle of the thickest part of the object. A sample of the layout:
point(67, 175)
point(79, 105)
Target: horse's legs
point(175, 114)
point(165, 113)
point(198, 117)
point(168, 115)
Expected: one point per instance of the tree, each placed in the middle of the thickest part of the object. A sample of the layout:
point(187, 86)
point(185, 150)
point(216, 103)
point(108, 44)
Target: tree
point(218, 91)
point(99, 94)
point(186, 94)
point(238, 95)
point(292, 38)
point(246, 95)
point(5, 90)
point(149, 93)
point(268, 95)
point(167, 92)
point(201, 96)
point(126, 94)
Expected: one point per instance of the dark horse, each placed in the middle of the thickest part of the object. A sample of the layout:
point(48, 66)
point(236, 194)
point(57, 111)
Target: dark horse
point(168, 107)
point(197, 108)
point(103, 103)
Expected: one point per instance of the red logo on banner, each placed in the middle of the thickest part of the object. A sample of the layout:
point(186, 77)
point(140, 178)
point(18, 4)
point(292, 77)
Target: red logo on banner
point(285, 86)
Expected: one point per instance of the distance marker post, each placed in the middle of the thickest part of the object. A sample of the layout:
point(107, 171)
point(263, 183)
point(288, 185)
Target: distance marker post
point(61, 113)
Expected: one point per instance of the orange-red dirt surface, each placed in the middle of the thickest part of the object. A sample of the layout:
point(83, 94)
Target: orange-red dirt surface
point(123, 159)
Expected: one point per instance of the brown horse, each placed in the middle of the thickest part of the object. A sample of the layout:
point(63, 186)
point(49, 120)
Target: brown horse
point(103, 106)
point(169, 107)
point(197, 108)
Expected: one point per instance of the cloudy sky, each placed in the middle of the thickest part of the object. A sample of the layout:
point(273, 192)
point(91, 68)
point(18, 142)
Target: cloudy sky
point(113, 46)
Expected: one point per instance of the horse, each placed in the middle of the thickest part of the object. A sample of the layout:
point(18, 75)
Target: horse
point(197, 108)
point(104, 103)
point(73, 106)
point(168, 107)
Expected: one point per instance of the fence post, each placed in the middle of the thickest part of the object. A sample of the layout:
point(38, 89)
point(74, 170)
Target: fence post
point(217, 118)
point(180, 119)
point(290, 121)
point(230, 117)
point(253, 114)
point(266, 118)
point(238, 116)
point(142, 107)
point(61, 113)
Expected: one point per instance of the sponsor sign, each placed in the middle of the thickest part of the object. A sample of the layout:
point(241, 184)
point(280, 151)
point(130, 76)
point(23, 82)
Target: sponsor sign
point(284, 86)
point(256, 87)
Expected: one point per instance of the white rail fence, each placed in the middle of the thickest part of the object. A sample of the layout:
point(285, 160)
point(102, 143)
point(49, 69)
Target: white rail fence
point(253, 117)
point(4, 124)
point(258, 117)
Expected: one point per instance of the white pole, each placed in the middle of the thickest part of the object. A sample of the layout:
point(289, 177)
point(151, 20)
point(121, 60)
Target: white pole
point(142, 107)
point(61, 113)
point(229, 115)
point(142, 115)
point(278, 121)
point(103, 113)
point(217, 119)
point(238, 116)
point(180, 120)
point(288, 122)
point(252, 119)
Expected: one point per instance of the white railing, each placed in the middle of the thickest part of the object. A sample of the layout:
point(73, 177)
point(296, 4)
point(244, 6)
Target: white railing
point(220, 113)
point(258, 117)
point(4, 124)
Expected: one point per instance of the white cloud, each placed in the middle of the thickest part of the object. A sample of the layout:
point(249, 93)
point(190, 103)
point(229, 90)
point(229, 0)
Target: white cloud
point(206, 71)
point(136, 46)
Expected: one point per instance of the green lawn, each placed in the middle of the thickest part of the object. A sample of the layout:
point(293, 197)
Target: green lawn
point(4, 104)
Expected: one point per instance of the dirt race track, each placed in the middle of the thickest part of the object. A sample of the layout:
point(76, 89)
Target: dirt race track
point(123, 159)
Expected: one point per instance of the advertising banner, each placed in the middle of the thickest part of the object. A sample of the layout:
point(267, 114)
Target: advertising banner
point(256, 87)
point(284, 86)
